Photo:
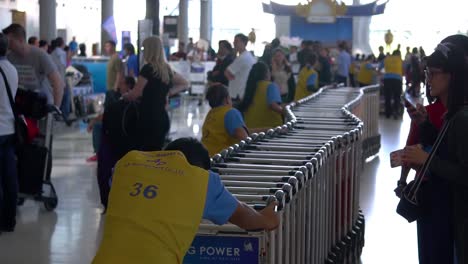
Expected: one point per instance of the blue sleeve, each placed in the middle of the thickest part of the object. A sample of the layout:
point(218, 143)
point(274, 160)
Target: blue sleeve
point(219, 204)
point(369, 66)
point(273, 94)
point(233, 120)
point(133, 64)
point(311, 80)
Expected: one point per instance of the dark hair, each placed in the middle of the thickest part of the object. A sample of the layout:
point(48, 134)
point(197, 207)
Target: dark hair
point(370, 57)
point(3, 44)
point(216, 95)
point(130, 48)
point(275, 43)
point(258, 72)
point(310, 57)
point(450, 59)
point(242, 38)
point(194, 151)
point(415, 50)
point(59, 42)
point(226, 44)
point(31, 40)
point(396, 53)
point(53, 45)
point(82, 48)
point(111, 42)
point(461, 41)
point(16, 30)
point(42, 43)
point(130, 81)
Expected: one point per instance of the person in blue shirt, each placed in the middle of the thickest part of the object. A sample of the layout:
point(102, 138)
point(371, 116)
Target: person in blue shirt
point(73, 46)
point(220, 205)
point(343, 63)
point(132, 67)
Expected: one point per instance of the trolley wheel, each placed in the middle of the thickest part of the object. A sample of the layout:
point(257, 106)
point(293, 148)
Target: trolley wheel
point(20, 201)
point(50, 203)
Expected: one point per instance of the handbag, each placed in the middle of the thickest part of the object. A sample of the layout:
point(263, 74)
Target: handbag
point(410, 206)
point(21, 129)
point(31, 158)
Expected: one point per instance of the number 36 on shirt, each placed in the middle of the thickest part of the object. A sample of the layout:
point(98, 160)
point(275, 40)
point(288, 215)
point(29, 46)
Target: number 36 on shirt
point(148, 192)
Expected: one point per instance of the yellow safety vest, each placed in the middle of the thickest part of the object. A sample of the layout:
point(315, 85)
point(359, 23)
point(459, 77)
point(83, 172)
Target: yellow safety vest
point(365, 75)
point(301, 87)
point(215, 137)
point(155, 207)
point(393, 64)
point(259, 113)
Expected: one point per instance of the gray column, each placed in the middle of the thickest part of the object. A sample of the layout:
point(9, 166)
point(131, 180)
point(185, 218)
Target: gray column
point(183, 21)
point(107, 10)
point(206, 19)
point(47, 19)
point(152, 13)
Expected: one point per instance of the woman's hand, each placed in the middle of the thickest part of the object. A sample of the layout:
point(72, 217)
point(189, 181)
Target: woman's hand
point(414, 156)
point(418, 114)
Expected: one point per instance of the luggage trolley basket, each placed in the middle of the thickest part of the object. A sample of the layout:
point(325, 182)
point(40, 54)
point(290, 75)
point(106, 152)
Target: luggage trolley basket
point(35, 177)
point(312, 162)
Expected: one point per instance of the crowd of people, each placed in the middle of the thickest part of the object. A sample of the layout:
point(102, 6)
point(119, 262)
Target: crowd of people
point(246, 94)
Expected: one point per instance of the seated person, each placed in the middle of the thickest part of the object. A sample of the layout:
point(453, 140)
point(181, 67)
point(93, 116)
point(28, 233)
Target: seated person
point(180, 54)
point(95, 125)
point(261, 104)
point(224, 125)
point(158, 199)
point(307, 80)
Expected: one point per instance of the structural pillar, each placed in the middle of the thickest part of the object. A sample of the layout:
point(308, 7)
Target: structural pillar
point(152, 13)
point(206, 21)
point(47, 19)
point(107, 10)
point(361, 30)
point(182, 26)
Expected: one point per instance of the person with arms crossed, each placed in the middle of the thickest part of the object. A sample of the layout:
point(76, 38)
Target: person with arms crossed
point(238, 72)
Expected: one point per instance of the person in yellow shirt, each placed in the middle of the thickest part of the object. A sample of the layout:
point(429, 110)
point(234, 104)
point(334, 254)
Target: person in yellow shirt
point(261, 104)
point(224, 125)
point(307, 81)
point(393, 85)
point(158, 199)
point(366, 72)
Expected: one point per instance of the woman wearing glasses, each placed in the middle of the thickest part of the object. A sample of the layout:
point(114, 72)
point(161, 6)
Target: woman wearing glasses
point(444, 225)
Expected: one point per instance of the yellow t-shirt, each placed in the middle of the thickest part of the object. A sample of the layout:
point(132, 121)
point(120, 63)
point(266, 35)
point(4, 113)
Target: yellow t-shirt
point(155, 206)
point(365, 75)
point(215, 137)
point(393, 65)
point(259, 114)
point(303, 77)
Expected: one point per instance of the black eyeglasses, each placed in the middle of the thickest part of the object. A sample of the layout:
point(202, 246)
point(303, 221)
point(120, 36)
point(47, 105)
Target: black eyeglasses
point(430, 73)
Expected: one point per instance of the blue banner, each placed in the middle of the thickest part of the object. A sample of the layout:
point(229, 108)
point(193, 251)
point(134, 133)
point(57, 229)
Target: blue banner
point(223, 249)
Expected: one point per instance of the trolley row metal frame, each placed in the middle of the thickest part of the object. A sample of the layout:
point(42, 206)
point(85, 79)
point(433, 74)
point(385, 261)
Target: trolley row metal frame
point(311, 165)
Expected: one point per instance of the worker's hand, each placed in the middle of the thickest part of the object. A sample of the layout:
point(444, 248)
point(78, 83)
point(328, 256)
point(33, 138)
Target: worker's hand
point(271, 218)
point(418, 114)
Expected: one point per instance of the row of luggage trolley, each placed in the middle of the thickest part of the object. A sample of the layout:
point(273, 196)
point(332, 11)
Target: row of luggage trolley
point(311, 166)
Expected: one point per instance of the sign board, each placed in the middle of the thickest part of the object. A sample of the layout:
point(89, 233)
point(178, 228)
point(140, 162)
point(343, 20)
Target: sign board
point(18, 17)
point(170, 26)
point(223, 249)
